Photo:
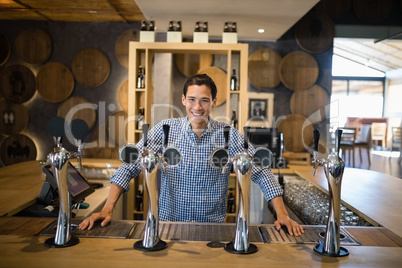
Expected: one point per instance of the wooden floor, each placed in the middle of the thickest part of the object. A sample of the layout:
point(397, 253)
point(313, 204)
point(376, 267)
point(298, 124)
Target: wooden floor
point(381, 161)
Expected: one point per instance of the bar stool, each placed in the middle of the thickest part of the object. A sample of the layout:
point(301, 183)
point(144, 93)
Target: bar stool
point(364, 141)
point(379, 133)
point(396, 141)
point(347, 143)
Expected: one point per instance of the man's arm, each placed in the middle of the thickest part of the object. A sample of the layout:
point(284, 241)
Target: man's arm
point(107, 211)
point(283, 218)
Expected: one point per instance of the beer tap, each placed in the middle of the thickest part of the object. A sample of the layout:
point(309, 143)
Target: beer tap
point(316, 161)
point(149, 164)
point(334, 168)
point(242, 164)
point(58, 160)
point(79, 129)
point(220, 156)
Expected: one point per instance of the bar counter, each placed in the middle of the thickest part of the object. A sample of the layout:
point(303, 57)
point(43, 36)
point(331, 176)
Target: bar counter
point(367, 192)
point(20, 247)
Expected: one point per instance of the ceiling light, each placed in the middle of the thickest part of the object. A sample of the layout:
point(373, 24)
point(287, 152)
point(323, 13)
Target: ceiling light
point(261, 30)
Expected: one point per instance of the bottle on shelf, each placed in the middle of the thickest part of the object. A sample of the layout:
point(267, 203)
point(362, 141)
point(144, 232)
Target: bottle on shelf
point(234, 81)
point(170, 29)
point(141, 118)
point(139, 199)
point(140, 77)
point(233, 119)
point(197, 27)
point(231, 202)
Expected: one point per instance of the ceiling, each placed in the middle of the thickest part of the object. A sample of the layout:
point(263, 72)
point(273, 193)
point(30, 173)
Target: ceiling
point(274, 16)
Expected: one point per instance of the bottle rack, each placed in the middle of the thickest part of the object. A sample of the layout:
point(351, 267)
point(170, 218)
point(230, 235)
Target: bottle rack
point(141, 54)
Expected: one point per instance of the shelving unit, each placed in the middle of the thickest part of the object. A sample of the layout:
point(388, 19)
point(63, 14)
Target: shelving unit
point(141, 54)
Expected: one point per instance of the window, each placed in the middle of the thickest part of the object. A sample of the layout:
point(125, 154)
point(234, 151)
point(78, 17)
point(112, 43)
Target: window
point(354, 95)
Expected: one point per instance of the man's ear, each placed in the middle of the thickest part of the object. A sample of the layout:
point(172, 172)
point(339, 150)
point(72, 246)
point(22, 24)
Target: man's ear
point(214, 103)
point(183, 99)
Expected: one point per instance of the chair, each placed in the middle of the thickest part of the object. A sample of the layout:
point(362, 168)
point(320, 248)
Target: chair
point(379, 133)
point(347, 143)
point(396, 141)
point(364, 141)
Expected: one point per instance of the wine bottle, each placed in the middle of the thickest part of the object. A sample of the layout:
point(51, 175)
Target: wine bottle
point(140, 78)
point(233, 120)
point(141, 119)
point(231, 202)
point(234, 81)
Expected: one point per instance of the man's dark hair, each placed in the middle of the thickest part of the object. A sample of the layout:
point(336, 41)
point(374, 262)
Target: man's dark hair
point(199, 80)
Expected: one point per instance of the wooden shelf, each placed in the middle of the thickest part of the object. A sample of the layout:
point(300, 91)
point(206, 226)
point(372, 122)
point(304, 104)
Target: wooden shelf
point(142, 54)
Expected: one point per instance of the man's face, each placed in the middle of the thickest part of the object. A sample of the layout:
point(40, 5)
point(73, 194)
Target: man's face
point(198, 103)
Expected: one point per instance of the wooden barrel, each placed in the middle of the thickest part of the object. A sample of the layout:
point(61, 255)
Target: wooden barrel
point(122, 47)
point(78, 108)
point(123, 96)
point(335, 9)
point(91, 67)
point(219, 77)
point(311, 103)
point(33, 45)
point(298, 70)
point(315, 32)
point(14, 117)
point(116, 129)
point(189, 64)
point(17, 83)
point(101, 150)
point(263, 69)
point(373, 11)
point(297, 132)
point(5, 50)
point(55, 82)
point(17, 148)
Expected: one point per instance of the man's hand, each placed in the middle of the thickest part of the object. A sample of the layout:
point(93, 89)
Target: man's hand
point(293, 227)
point(90, 221)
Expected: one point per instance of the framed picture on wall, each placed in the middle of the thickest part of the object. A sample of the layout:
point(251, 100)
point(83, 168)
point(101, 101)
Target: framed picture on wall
point(260, 109)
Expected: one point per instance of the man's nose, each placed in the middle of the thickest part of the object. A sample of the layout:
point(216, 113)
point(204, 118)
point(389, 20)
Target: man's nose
point(198, 105)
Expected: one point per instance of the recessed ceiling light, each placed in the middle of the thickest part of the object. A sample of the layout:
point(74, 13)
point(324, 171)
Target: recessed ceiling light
point(261, 30)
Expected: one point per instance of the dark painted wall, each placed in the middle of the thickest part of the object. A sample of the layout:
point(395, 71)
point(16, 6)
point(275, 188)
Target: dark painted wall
point(69, 38)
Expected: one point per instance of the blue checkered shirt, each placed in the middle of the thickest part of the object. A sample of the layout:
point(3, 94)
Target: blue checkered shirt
point(194, 191)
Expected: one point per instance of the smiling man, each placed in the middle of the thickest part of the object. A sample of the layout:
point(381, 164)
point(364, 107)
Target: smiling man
point(194, 191)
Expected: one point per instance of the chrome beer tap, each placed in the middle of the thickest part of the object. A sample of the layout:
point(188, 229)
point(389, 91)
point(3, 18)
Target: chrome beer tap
point(149, 164)
point(79, 129)
point(334, 168)
point(58, 160)
point(242, 165)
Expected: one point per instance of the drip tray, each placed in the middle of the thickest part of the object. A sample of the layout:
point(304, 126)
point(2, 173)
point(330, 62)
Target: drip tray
point(197, 232)
point(312, 235)
point(116, 229)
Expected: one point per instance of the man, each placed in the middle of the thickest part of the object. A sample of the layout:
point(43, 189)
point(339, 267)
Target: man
point(194, 191)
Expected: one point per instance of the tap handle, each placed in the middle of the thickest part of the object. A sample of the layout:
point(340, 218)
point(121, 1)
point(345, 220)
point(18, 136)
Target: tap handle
point(145, 134)
point(246, 137)
point(338, 136)
point(79, 129)
point(57, 128)
point(316, 133)
point(166, 129)
point(226, 132)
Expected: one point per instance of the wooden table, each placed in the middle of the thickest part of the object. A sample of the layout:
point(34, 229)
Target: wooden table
point(20, 184)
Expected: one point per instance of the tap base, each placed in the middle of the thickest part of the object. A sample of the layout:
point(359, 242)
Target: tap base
point(159, 246)
point(229, 247)
point(319, 248)
point(215, 244)
point(51, 244)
